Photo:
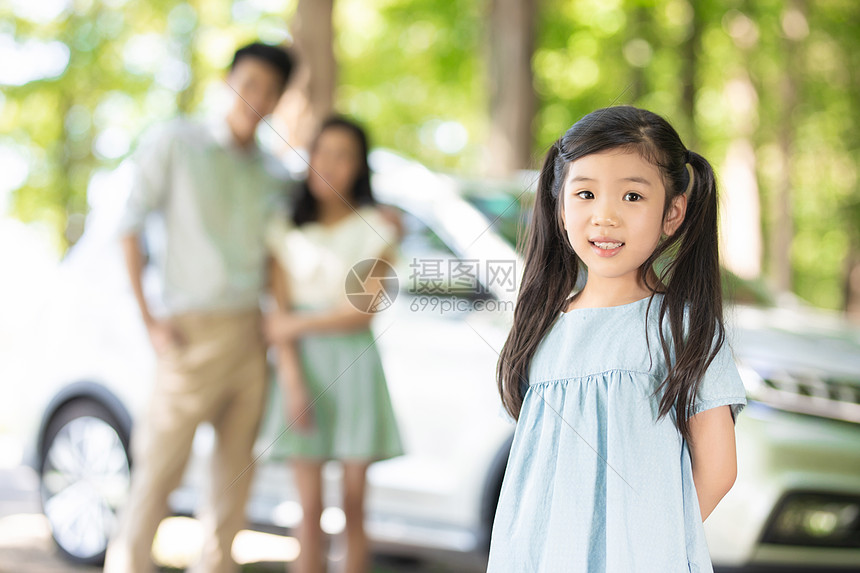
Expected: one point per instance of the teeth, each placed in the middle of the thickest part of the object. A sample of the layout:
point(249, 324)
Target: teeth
point(608, 246)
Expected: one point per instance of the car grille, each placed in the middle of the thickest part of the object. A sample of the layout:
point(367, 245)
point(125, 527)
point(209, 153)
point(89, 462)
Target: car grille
point(830, 398)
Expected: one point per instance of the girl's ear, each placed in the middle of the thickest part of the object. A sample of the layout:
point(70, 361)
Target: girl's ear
point(561, 217)
point(675, 214)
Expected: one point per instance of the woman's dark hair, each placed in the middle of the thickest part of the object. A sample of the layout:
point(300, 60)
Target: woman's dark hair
point(277, 57)
point(689, 273)
point(305, 206)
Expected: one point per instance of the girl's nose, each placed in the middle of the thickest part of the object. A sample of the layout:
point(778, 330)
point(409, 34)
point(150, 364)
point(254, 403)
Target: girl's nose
point(603, 212)
point(604, 220)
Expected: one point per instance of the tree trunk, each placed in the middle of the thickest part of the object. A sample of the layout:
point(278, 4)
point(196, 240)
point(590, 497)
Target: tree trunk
point(187, 99)
point(310, 98)
point(690, 50)
point(740, 216)
point(782, 224)
point(512, 95)
point(638, 28)
point(852, 285)
point(740, 220)
point(852, 224)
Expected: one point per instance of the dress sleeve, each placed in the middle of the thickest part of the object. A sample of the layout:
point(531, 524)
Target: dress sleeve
point(150, 178)
point(721, 385)
point(381, 234)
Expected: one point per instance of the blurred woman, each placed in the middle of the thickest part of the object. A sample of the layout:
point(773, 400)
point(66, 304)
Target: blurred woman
point(331, 380)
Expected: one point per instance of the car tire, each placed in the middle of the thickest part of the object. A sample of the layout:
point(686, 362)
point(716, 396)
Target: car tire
point(84, 477)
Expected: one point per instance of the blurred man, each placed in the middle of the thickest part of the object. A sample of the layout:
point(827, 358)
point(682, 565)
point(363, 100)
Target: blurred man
point(207, 189)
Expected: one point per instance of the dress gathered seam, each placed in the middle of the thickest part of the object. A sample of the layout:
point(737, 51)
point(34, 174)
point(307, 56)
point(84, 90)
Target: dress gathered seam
point(591, 375)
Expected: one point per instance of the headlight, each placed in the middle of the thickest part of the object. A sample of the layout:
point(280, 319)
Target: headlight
point(830, 520)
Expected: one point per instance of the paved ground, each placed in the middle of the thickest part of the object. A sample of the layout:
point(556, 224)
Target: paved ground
point(26, 545)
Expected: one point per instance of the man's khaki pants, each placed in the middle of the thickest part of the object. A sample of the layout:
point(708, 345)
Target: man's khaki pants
point(217, 376)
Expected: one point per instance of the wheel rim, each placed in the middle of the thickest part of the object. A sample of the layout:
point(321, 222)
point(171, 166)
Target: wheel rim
point(85, 478)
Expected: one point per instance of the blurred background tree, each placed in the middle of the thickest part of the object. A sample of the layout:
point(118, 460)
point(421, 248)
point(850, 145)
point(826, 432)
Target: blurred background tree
point(766, 90)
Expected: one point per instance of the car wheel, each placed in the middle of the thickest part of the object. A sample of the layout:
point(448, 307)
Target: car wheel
point(84, 478)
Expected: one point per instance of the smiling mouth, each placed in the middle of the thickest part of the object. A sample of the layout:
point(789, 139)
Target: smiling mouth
point(607, 245)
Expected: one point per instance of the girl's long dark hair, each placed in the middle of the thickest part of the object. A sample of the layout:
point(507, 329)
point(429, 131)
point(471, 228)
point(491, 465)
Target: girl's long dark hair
point(688, 274)
point(305, 205)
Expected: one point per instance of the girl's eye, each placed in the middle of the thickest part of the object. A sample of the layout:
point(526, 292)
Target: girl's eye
point(585, 195)
point(632, 197)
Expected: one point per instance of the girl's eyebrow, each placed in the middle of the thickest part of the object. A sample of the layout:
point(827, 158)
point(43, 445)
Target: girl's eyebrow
point(633, 179)
point(636, 179)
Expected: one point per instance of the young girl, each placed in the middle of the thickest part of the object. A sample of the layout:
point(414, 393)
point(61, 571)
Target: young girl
point(334, 389)
point(625, 393)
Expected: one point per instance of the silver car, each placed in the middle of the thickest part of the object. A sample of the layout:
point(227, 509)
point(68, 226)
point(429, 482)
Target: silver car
point(796, 500)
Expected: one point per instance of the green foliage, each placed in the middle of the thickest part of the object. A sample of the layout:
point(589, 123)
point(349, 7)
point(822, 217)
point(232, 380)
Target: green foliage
point(130, 64)
point(592, 53)
point(413, 71)
point(407, 67)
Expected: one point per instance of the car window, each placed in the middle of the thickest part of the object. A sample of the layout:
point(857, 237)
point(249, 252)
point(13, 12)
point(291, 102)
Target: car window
point(428, 266)
point(419, 240)
point(507, 212)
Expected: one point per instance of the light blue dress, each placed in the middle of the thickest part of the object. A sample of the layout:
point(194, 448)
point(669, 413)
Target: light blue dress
point(594, 482)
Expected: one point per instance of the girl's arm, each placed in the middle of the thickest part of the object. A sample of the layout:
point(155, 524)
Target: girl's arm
point(712, 449)
point(287, 326)
point(289, 364)
point(290, 373)
point(291, 325)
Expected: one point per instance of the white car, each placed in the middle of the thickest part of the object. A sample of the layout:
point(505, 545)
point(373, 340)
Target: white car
point(89, 372)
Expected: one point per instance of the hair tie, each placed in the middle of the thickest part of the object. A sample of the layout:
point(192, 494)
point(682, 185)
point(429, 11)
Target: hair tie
point(685, 181)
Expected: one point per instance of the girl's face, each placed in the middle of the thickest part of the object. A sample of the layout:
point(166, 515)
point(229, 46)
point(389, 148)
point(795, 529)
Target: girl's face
point(336, 161)
point(613, 212)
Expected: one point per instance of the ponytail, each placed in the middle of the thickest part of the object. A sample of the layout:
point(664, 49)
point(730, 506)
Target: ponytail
point(692, 306)
point(549, 276)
